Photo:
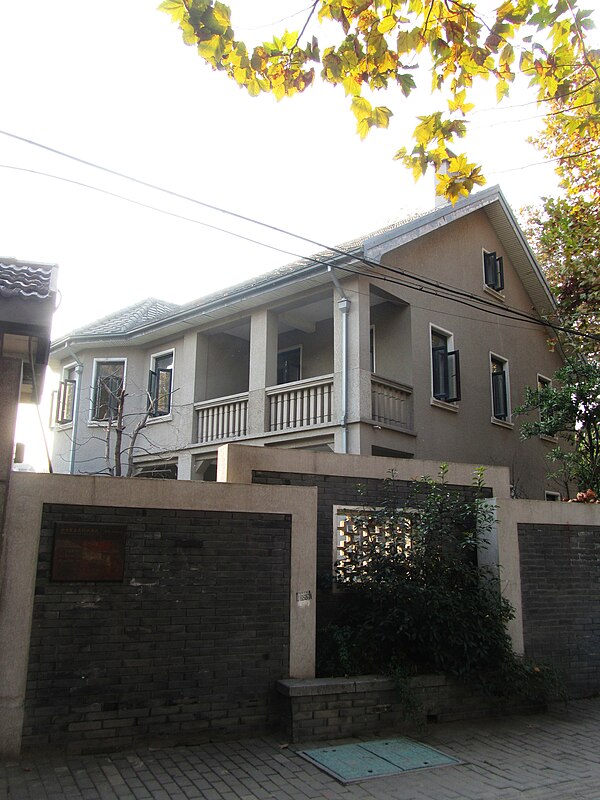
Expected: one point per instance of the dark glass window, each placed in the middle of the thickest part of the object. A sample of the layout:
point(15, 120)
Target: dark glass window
point(289, 365)
point(446, 369)
point(500, 407)
point(159, 385)
point(493, 268)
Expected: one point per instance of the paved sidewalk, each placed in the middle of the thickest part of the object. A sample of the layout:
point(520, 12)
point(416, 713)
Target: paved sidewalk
point(554, 756)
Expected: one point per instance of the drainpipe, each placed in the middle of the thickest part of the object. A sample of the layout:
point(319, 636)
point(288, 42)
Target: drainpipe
point(78, 376)
point(344, 307)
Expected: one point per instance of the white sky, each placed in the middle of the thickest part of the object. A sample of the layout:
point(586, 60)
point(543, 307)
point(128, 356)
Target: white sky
point(112, 83)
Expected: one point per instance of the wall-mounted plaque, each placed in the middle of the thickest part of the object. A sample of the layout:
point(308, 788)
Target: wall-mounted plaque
point(85, 552)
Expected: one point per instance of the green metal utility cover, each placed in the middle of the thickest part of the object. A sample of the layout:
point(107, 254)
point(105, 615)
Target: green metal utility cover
point(356, 762)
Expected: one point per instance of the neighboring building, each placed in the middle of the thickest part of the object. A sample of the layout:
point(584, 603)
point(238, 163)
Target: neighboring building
point(27, 302)
point(406, 344)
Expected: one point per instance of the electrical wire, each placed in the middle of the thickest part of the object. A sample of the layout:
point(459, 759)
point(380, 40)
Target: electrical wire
point(451, 292)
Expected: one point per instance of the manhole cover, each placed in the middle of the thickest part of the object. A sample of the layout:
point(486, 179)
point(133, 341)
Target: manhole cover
point(356, 762)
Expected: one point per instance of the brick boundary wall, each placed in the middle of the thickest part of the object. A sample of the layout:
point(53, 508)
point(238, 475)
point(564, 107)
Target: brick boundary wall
point(338, 490)
point(188, 646)
point(560, 585)
point(334, 708)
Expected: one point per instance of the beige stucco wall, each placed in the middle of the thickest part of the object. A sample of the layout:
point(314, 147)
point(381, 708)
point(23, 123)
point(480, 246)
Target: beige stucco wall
point(18, 560)
point(236, 463)
point(467, 433)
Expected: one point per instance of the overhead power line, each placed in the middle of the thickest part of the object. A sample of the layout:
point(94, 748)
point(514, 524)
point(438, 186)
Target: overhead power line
point(411, 280)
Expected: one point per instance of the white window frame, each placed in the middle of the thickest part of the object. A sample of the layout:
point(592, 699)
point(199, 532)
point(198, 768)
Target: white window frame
point(153, 419)
point(56, 400)
point(498, 293)
point(121, 360)
point(449, 336)
point(505, 423)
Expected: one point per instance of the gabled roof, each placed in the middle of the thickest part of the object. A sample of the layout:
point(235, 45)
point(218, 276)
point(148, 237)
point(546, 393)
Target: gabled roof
point(493, 202)
point(151, 315)
point(26, 279)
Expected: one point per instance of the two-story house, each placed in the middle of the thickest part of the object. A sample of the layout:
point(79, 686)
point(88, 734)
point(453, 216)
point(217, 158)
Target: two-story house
point(416, 341)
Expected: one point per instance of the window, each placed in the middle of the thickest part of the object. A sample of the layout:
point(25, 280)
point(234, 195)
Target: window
point(65, 404)
point(500, 388)
point(289, 365)
point(493, 271)
point(445, 367)
point(353, 529)
point(108, 383)
point(160, 382)
point(552, 496)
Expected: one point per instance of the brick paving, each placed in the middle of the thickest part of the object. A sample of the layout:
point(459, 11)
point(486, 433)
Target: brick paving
point(554, 756)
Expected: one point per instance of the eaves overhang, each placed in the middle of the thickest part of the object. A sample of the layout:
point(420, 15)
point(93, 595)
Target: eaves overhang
point(237, 301)
point(493, 202)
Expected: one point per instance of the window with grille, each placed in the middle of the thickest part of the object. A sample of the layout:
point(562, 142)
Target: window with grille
point(108, 384)
point(356, 534)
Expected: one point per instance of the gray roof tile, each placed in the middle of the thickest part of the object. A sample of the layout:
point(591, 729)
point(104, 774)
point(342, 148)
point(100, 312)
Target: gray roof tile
point(19, 279)
point(128, 319)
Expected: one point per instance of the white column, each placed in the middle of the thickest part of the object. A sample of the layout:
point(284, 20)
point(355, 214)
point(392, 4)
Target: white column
point(358, 361)
point(263, 368)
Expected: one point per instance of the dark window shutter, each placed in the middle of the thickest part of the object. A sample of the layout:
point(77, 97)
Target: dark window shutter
point(489, 265)
point(453, 370)
point(499, 284)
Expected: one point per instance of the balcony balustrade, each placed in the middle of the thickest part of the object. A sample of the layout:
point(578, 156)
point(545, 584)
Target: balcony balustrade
point(303, 404)
point(222, 418)
point(391, 403)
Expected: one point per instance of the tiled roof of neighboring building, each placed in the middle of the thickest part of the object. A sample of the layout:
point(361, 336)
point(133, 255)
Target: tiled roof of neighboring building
point(130, 318)
point(25, 279)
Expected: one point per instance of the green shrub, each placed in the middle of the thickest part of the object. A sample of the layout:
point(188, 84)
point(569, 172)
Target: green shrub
point(413, 596)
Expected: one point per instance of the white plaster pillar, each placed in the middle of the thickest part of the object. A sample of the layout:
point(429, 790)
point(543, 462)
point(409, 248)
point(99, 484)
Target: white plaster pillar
point(190, 383)
point(263, 368)
point(358, 360)
point(185, 465)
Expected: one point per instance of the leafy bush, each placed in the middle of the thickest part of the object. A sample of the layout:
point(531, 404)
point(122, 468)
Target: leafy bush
point(413, 596)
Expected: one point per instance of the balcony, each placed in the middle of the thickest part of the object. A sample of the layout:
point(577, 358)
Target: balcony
point(223, 418)
point(302, 404)
point(391, 403)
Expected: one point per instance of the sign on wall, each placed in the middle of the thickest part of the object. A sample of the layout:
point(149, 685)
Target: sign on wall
point(85, 552)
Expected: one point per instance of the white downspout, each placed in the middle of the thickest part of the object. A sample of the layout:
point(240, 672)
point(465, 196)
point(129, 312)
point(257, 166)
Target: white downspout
point(344, 307)
point(78, 374)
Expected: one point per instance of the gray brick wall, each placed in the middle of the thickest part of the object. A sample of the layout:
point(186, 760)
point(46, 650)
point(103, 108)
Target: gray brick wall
point(189, 645)
point(560, 586)
point(332, 708)
point(338, 490)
